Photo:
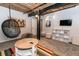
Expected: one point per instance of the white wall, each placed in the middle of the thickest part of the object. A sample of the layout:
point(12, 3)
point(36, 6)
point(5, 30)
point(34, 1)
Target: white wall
point(34, 25)
point(4, 14)
point(72, 13)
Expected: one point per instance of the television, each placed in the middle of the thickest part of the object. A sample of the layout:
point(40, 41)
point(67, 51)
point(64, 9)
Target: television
point(67, 22)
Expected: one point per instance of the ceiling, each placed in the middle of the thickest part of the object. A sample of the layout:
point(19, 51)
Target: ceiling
point(26, 7)
point(44, 7)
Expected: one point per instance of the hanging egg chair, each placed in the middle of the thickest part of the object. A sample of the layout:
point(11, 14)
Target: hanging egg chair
point(10, 27)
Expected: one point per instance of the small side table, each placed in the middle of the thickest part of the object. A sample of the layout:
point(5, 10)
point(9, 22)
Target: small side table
point(26, 47)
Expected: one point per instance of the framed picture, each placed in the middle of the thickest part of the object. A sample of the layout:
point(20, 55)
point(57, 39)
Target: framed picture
point(21, 23)
point(48, 23)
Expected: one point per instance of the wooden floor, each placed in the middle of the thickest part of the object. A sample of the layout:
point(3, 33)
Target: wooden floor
point(7, 45)
point(60, 48)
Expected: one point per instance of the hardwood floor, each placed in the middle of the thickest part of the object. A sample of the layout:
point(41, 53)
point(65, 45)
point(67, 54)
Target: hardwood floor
point(60, 48)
